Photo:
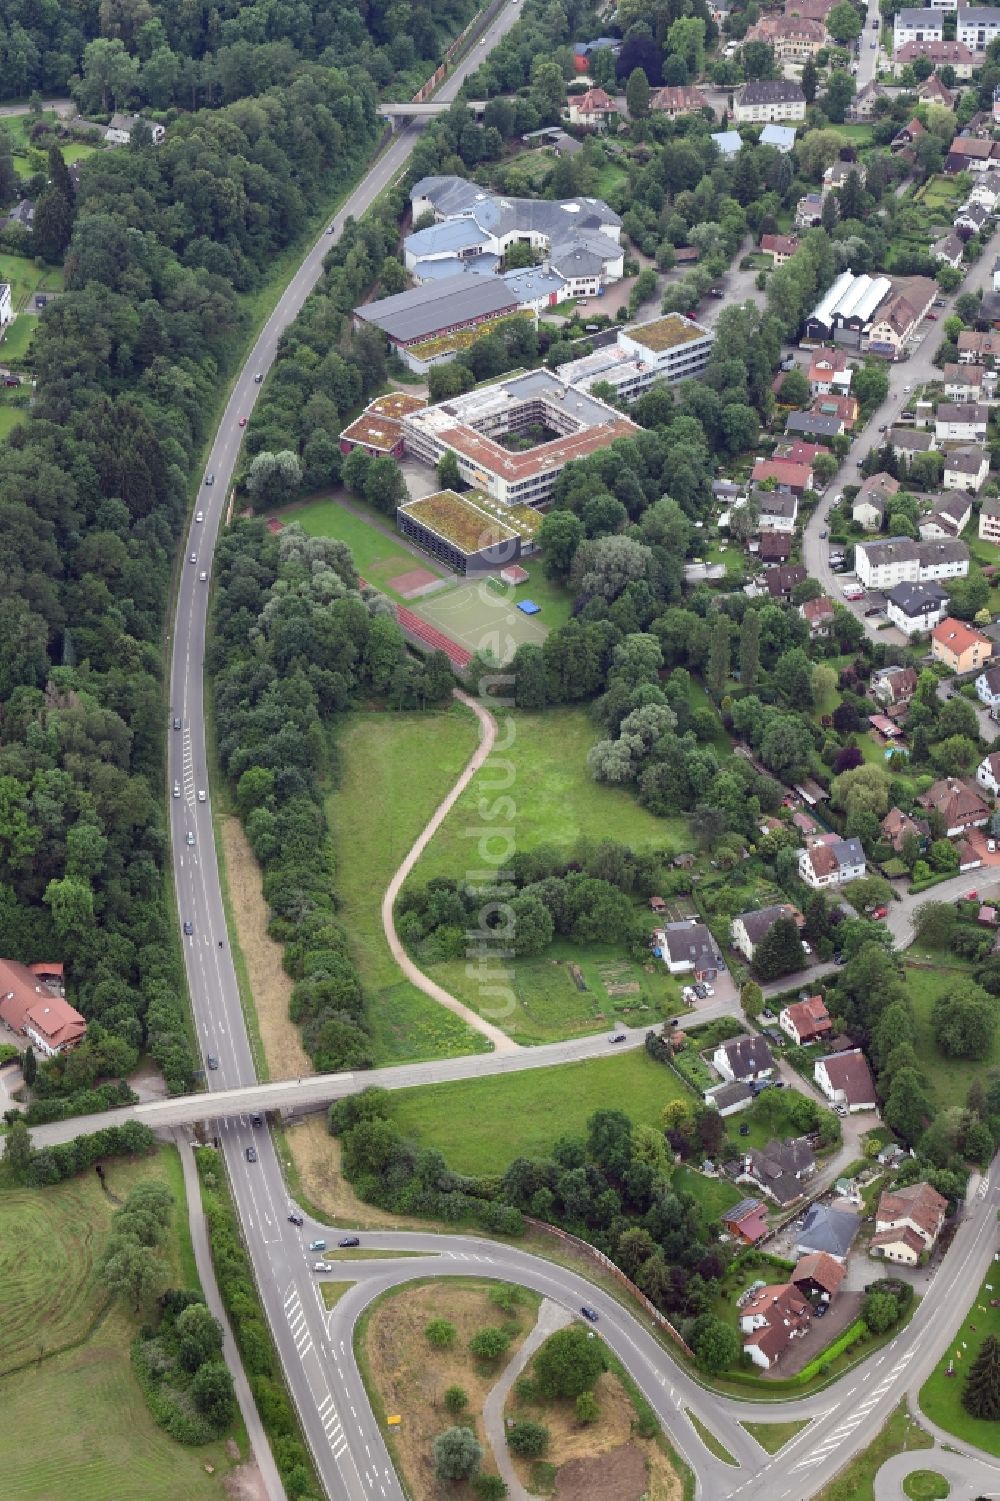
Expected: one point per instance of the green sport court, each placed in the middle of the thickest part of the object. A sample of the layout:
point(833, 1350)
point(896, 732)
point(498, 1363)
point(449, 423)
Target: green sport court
point(482, 615)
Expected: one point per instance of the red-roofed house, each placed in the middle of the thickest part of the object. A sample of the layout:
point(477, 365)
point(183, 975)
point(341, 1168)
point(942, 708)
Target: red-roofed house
point(806, 1021)
point(907, 1223)
point(797, 477)
point(780, 247)
point(818, 1274)
point(847, 408)
point(772, 1318)
point(594, 109)
point(38, 1011)
point(959, 646)
point(829, 371)
point(818, 615)
point(680, 99)
point(846, 1080)
point(747, 1219)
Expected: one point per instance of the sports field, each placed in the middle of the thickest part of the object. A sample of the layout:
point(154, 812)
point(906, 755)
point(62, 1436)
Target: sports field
point(482, 615)
point(378, 556)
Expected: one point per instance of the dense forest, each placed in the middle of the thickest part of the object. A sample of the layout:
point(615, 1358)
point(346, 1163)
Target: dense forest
point(93, 492)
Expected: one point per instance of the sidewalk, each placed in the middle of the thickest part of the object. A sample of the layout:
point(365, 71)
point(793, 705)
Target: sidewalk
point(259, 1445)
point(550, 1318)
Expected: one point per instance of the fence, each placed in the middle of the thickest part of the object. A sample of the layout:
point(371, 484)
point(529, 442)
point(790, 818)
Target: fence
point(479, 23)
point(593, 1254)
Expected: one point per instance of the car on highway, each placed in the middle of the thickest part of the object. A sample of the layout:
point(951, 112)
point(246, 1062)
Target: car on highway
point(211, 1062)
point(243, 422)
point(190, 837)
point(203, 576)
point(199, 515)
point(295, 1218)
point(590, 1314)
point(202, 794)
point(322, 1266)
point(193, 558)
point(251, 1154)
point(177, 789)
point(348, 1241)
point(177, 723)
point(210, 479)
point(256, 1119)
point(616, 1036)
point(188, 926)
point(317, 1245)
point(258, 377)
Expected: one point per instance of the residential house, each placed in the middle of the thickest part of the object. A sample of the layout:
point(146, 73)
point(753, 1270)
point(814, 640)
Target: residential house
point(584, 51)
point(793, 38)
point(960, 646)
point(595, 109)
point(675, 100)
point(837, 173)
point(961, 422)
point(729, 142)
point(896, 560)
point(872, 500)
point(795, 477)
point(774, 548)
point(988, 687)
point(809, 210)
point(971, 154)
point(908, 135)
point(818, 1276)
point(780, 582)
point(806, 1021)
point(933, 91)
point(978, 26)
point(988, 773)
point(729, 1099)
point(829, 372)
point(897, 825)
point(688, 947)
point(950, 249)
point(780, 248)
point(830, 1229)
point(894, 686)
point(33, 1006)
point(916, 607)
point(912, 25)
point(959, 807)
point(966, 469)
point(780, 1170)
point(985, 191)
point(976, 347)
point(769, 99)
point(942, 54)
point(778, 137)
point(798, 450)
point(818, 615)
point(22, 215)
point(895, 323)
point(862, 106)
point(966, 383)
point(908, 1221)
point(122, 129)
point(743, 1060)
point(6, 304)
point(846, 1079)
point(831, 861)
point(771, 1320)
point(949, 516)
point(846, 408)
point(747, 1220)
point(973, 217)
point(813, 424)
point(776, 509)
point(749, 929)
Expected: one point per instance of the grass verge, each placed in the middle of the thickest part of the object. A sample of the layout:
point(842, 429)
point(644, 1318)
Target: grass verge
point(712, 1444)
point(941, 1394)
point(774, 1436)
point(856, 1482)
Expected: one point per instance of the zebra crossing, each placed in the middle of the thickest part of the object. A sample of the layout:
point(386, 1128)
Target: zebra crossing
point(332, 1426)
point(297, 1323)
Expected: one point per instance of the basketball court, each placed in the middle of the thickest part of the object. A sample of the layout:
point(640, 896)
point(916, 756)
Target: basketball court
point(482, 615)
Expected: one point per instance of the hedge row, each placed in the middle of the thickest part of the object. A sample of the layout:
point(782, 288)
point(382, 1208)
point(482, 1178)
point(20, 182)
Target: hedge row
point(171, 1407)
point(53, 1164)
point(249, 1325)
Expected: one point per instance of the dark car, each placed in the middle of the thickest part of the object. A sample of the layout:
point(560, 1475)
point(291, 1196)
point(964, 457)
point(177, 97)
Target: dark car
point(820, 1310)
point(212, 1062)
point(590, 1314)
point(348, 1241)
point(188, 926)
point(251, 1154)
point(616, 1036)
point(256, 1119)
point(873, 610)
point(177, 723)
point(295, 1219)
point(744, 1130)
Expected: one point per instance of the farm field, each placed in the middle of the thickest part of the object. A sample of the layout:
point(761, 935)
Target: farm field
point(523, 1114)
point(75, 1362)
point(556, 800)
point(941, 1394)
point(388, 787)
point(949, 1078)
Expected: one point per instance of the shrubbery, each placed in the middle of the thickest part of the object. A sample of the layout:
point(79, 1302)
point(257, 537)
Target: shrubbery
point(181, 1371)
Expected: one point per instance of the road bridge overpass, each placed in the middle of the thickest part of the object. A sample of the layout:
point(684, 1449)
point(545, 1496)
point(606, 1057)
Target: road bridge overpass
point(426, 111)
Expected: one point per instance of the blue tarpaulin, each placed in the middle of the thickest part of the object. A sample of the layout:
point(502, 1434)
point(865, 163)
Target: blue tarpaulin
point(528, 607)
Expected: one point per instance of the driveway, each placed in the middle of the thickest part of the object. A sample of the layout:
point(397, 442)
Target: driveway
point(11, 1080)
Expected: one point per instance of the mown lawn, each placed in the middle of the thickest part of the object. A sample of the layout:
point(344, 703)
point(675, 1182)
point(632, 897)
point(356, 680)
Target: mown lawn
point(949, 1078)
point(75, 1363)
point(941, 1394)
point(393, 771)
point(26, 278)
point(10, 417)
point(18, 338)
point(555, 600)
point(714, 1195)
point(523, 1114)
point(377, 556)
point(542, 769)
point(774, 1436)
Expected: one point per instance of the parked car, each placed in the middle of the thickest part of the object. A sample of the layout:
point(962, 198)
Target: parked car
point(744, 1129)
point(806, 948)
point(823, 536)
point(840, 1110)
point(932, 317)
point(873, 610)
point(820, 1311)
point(348, 1241)
point(879, 913)
point(709, 990)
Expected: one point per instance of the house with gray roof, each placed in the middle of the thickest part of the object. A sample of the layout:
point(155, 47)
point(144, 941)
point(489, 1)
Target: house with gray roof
point(781, 1170)
point(743, 1060)
point(830, 1230)
point(688, 948)
point(751, 928)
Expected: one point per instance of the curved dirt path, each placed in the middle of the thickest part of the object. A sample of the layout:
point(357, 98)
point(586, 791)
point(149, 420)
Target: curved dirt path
point(488, 727)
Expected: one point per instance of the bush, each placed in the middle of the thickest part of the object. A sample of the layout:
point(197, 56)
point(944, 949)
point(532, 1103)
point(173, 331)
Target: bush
point(456, 1399)
point(489, 1487)
point(440, 1334)
point(489, 1343)
point(527, 1439)
point(569, 1363)
point(587, 1408)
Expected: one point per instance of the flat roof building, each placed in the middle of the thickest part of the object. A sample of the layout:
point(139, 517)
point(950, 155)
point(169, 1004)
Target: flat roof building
point(430, 312)
point(470, 533)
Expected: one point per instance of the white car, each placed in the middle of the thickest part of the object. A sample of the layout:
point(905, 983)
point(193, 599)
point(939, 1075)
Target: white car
point(199, 515)
point(190, 837)
point(805, 947)
point(202, 794)
point(203, 576)
point(177, 789)
point(322, 1266)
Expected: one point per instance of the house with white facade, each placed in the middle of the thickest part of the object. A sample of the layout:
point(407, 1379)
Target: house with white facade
point(831, 861)
point(846, 1080)
point(908, 1222)
point(977, 27)
point(771, 1320)
point(966, 469)
point(688, 948)
point(988, 687)
point(743, 1060)
point(776, 509)
point(750, 928)
point(769, 99)
point(916, 607)
point(913, 25)
point(961, 422)
point(948, 517)
point(122, 129)
point(806, 1021)
point(872, 501)
point(899, 560)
